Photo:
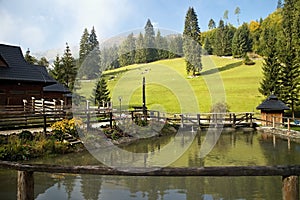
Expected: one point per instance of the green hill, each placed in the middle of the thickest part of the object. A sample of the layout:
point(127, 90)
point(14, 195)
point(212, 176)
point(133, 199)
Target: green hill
point(170, 89)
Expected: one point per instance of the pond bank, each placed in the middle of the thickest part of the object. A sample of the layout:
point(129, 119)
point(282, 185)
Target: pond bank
point(281, 133)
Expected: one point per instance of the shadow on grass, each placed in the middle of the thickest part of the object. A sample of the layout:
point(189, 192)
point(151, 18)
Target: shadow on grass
point(221, 69)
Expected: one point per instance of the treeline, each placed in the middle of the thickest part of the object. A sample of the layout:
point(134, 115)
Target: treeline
point(142, 48)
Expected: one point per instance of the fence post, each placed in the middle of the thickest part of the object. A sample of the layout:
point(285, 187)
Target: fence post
point(25, 185)
point(87, 114)
point(182, 118)
point(110, 120)
point(290, 187)
point(289, 126)
point(273, 121)
point(234, 120)
point(198, 119)
point(33, 104)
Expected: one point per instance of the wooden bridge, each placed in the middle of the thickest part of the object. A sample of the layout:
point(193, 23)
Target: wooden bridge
point(25, 191)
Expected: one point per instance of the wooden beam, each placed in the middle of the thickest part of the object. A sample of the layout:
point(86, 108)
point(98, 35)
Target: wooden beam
point(283, 171)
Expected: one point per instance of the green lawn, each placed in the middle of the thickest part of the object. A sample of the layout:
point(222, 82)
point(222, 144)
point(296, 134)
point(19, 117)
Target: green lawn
point(169, 88)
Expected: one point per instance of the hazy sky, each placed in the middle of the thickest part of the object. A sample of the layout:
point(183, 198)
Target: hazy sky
point(48, 24)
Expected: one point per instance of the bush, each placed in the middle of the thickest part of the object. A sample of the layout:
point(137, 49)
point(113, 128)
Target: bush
point(65, 126)
point(26, 136)
point(248, 61)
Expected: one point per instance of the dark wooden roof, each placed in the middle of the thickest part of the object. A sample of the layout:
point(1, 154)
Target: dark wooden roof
point(58, 87)
point(19, 70)
point(272, 103)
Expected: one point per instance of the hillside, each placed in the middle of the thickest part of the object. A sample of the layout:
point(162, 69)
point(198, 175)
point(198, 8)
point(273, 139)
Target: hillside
point(170, 89)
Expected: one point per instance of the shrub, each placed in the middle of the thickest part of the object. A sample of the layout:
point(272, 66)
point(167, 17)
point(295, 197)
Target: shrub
point(64, 126)
point(25, 136)
point(248, 61)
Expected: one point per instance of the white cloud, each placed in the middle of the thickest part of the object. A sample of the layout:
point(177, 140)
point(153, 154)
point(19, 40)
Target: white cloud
point(49, 24)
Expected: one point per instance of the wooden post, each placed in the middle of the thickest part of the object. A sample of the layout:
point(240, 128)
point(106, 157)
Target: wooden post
point(290, 187)
point(198, 119)
point(158, 115)
point(45, 123)
point(87, 114)
point(25, 185)
point(234, 120)
point(181, 125)
point(289, 126)
point(273, 121)
point(110, 120)
point(251, 120)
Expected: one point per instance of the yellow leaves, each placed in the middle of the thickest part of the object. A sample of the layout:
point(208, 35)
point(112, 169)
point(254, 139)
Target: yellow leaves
point(253, 26)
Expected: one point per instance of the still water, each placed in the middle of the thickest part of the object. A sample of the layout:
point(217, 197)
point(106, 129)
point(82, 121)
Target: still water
point(232, 149)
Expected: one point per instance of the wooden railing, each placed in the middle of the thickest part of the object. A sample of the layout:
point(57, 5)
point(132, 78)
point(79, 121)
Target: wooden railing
point(289, 174)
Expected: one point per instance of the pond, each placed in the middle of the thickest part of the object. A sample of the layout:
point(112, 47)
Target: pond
point(236, 148)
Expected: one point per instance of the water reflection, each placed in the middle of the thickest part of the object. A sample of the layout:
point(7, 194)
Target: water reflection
point(233, 148)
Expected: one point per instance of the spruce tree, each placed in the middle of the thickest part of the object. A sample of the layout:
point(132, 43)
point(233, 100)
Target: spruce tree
point(289, 54)
point(127, 51)
point(220, 39)
point(176, 47)
point(84, 46)
point(211, 24)
point(68, 70)
point(140, 53)
point(207, 46)
point(101, 92)
point(149, 42)
point(192, 43)
point(241, 42)
point(161, 45)
point(29, 58)
point(271, 81)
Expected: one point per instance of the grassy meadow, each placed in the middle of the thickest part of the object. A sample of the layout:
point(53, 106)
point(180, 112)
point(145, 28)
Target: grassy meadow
point(170, 89)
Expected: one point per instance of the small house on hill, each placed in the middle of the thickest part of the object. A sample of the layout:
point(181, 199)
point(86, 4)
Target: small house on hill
point(20, 80)
point(272, 108)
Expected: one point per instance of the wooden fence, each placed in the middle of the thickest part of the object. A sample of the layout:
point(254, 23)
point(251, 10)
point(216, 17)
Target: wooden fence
point(289, 174)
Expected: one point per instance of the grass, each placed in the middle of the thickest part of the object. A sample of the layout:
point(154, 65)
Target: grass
point(169, 88)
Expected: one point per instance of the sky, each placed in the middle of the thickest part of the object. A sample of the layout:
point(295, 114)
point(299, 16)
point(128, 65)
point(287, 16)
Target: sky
point(42, 25)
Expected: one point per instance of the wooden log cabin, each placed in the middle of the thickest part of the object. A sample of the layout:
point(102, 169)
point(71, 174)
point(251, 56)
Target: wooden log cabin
point(20, 80)
point(272, 109)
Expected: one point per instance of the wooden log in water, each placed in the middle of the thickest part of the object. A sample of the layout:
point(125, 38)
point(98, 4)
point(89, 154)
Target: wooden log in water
point(25, 185)
point(290, 188)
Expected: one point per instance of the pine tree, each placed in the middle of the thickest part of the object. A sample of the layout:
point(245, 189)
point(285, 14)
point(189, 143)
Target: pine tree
point(211, 24)
point(149, 42)
point(161, 45)
point(241, 42)
point(101, 92)
point(93, 58)
point(127, 51)
point(219, 39)
point(271, 81)
point(176, 47)
point(68, 70)
point(279, 4)
point(29, 58)
point(192, 42)
point(140, 53)
point(289, 54)
point(207, 46)
point(84, 48)
point(43, 62)
point(55, 72)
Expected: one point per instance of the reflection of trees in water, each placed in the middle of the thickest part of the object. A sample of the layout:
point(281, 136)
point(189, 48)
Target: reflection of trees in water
point(91, 186)
point(69, 183)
